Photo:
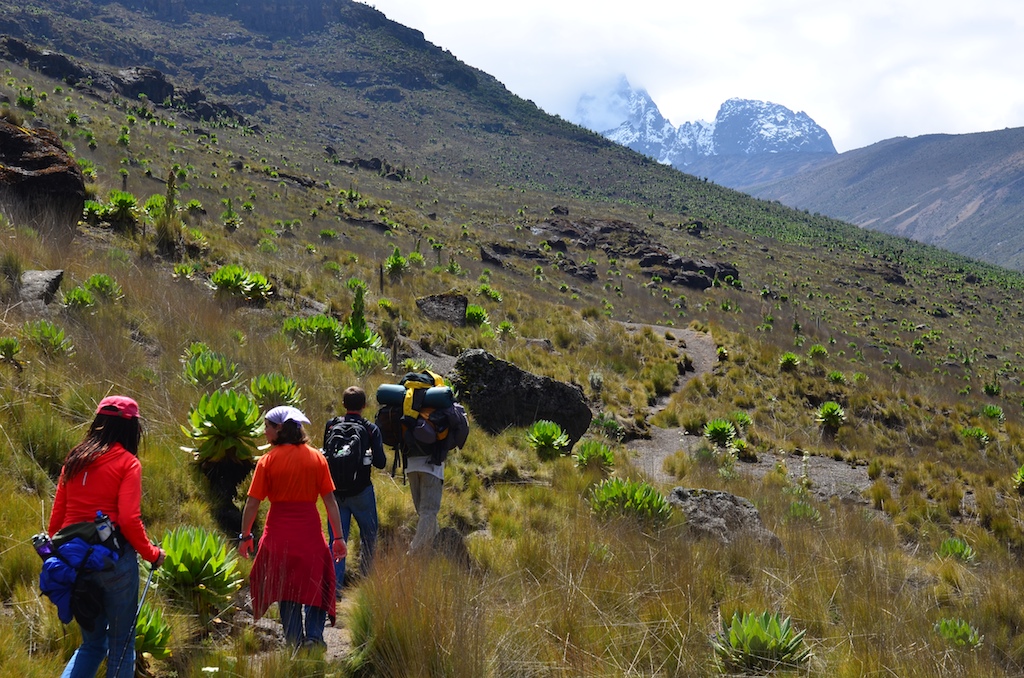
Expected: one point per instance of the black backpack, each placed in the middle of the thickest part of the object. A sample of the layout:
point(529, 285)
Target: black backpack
point(347, 448)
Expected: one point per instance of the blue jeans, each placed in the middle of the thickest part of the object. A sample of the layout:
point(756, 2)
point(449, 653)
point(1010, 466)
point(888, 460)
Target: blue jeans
point(114, 632)
point(291, 619)
point(362, 507)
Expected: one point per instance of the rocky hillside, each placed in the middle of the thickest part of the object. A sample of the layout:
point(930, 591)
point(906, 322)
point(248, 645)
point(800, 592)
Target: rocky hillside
point(959, 192)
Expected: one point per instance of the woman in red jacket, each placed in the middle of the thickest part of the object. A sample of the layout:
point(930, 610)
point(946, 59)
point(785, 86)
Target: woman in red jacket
point(103, 473)
point(293, 566)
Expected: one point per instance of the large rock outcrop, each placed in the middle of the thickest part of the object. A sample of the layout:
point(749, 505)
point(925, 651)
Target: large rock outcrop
point(721, 516)
point(498, 395)
point(40, 183)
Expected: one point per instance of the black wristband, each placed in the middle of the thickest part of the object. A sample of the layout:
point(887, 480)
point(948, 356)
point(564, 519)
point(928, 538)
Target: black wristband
point(245, 537)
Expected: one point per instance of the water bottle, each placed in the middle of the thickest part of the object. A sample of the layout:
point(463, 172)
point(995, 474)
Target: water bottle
point(103, 526)
point(42, 544)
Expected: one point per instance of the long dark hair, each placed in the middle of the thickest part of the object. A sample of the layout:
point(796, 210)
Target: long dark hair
point(104, 432)
point(291, 433)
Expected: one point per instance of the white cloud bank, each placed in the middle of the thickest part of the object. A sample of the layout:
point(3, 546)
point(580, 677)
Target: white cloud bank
point(865, 71)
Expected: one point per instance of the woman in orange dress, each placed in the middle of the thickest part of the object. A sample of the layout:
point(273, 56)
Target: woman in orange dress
point(293, 565)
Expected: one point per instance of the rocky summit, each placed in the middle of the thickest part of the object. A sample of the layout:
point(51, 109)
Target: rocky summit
point(742, 127)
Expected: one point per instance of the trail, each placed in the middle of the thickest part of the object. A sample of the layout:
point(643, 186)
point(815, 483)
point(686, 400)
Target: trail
point(828, 477)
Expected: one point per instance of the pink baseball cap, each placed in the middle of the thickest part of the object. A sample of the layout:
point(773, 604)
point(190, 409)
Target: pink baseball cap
point(118, 406)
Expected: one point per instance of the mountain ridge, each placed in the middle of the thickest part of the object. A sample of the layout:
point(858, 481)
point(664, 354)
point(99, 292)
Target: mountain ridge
point(742, 127)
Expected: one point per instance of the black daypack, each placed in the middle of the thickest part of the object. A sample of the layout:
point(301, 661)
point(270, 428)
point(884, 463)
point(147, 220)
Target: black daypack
point(348, 452)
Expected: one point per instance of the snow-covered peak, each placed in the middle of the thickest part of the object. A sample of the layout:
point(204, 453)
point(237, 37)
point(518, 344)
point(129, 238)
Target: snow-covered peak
point(742, 127)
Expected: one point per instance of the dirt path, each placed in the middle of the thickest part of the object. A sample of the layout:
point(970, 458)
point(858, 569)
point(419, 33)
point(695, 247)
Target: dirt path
point(828, 477)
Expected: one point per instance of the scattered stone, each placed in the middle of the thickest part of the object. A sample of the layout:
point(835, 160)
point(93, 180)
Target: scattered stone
point(722, 516)
point(449, 307)
point(38, 290)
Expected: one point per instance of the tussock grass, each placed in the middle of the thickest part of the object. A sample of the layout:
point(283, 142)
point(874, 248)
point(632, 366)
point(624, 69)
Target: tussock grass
point(552, 591)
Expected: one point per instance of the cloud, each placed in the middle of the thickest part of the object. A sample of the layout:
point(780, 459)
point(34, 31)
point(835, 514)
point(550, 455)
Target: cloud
point(865, 71)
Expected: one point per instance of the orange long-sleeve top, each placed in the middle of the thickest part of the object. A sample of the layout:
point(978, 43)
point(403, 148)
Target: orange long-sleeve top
point(111, 484)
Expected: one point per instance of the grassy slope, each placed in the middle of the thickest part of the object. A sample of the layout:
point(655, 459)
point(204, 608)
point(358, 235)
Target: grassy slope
point(955, 191)
point(926, 345)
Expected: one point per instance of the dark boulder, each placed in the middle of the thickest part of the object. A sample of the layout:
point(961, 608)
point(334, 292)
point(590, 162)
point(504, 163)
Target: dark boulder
point(450, 308)
point(722, 516)
point(498, 395)
point(146, 81)
point(40, 183)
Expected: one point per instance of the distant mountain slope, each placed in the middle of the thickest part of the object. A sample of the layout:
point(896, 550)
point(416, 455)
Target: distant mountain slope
point(963, 192)
point(743, 128)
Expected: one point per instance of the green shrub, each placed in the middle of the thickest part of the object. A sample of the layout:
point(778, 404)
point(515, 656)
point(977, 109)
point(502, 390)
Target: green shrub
point(48, 337)
point(1018, 480)
point(396, 265)
point(234, 281)
point(78, 299)
point(316, 331)
point(836, 377)
point(741, 420)
point(475, 315)
point(355, 333)
point(152, 638)
point(959, 633)
point(607, 425)
point(104, 287)
point(817, 351)
point(744, 451)
point(632, 499)
point(200, 571)
point(273, 389)
point(759, 643)
point(364, 361)
point(547, 439)
point(801, 510)
point(788, 361)
point(954, 547)
point(993, 412)
point(207, 367)
point(720, 432)
point(593, 455)
point(225, 426)
point(977, 434)
point(485, 290)
point(10, 349)
point(93, 212)
point(122, 210)
point(831, 416)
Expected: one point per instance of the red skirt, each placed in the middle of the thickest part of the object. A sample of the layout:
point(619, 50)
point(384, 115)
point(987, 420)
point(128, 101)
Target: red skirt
point(293, 561)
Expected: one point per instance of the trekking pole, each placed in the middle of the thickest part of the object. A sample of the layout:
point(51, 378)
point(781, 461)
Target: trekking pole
point(135, 621)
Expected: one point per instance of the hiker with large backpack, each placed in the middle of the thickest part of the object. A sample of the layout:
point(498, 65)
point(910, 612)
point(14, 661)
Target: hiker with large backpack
point(421, 420)
point(97, 510)
point(353, 446)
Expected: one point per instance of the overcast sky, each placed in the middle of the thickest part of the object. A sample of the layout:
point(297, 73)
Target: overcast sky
point(865, 70)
